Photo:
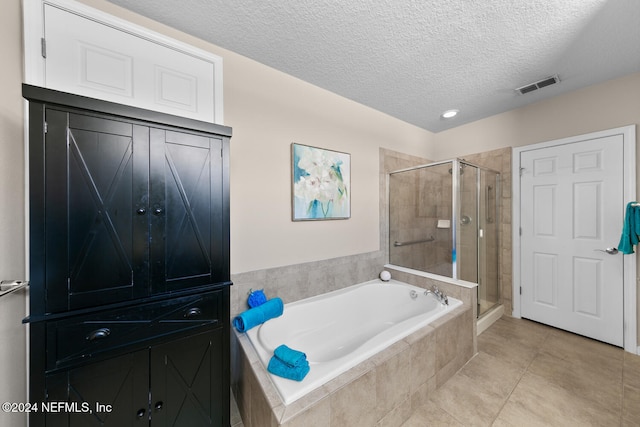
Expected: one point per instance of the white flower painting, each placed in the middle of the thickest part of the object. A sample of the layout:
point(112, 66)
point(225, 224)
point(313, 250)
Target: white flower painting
point(321, 181)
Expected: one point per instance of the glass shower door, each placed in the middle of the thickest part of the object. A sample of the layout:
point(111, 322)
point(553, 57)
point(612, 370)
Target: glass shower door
point(489, 246)
point(478, 247)
point(420, 205)
point(467, 223)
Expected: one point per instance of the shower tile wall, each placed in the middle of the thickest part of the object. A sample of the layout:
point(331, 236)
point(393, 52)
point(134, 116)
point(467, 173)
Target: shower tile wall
point(500, 160)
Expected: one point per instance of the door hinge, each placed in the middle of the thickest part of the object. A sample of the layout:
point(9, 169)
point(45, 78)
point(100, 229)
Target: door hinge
point(520, 290)
point(43, 47)
point(521, 171)
point(46, 127)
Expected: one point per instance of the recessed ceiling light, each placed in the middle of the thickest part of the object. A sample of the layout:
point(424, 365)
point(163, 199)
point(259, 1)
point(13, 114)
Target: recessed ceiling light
point(449, 114)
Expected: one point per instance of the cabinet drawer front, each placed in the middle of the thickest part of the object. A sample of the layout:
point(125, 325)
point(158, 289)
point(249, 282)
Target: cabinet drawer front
point(80, 338)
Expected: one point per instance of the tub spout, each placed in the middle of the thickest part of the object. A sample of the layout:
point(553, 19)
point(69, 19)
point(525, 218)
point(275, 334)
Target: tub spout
point(440, 296)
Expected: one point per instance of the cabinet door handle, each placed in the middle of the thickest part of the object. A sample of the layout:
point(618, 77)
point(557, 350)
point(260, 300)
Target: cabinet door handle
point(193, 312)
point(98, 334)
point(141, 211)
point(140, 413)
point(158, 211)
point(159, 405)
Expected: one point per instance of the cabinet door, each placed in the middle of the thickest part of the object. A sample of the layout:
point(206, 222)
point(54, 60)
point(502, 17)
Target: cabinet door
point(114, 392)
point(186, 203)
point(93, 54)
point(96, 191)
point(187, 383)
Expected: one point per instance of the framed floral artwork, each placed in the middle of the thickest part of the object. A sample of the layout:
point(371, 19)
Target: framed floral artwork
point(321, 181)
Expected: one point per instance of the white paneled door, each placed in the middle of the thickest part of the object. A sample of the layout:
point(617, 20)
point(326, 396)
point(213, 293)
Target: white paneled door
point(571, 216)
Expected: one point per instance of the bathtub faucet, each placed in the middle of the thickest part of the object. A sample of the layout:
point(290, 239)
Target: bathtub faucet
point(440, 296)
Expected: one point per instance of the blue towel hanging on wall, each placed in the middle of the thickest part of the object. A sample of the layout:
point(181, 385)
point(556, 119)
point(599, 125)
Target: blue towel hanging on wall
point(631, 229)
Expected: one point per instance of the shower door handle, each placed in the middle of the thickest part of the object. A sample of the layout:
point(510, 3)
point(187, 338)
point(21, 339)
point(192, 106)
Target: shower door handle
point(610, 251)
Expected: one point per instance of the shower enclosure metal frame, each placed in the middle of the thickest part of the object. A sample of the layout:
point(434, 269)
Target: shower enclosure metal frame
point(457, 166)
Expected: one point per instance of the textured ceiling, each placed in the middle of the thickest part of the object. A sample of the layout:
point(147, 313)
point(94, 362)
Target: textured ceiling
point(413, 59)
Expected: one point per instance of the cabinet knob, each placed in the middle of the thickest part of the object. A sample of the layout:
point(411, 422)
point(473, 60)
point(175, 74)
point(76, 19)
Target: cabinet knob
point(140, 413)
point(158, 211)
point(159, 405)
point(193, 312)
point(141, 211)
point(98, 334)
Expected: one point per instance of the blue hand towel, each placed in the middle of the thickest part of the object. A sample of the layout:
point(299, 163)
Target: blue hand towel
point(256, 298)
point(255, 316)
point(279, 368)
point(289, 356)
point(631, 229)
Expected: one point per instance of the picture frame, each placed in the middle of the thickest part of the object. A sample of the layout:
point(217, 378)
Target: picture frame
point(320, 183)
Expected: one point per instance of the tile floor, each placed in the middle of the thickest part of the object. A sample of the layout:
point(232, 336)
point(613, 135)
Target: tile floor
point(528, 374)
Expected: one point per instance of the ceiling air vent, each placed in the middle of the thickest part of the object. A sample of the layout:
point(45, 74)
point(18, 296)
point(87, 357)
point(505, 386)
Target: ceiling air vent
point(538, 85)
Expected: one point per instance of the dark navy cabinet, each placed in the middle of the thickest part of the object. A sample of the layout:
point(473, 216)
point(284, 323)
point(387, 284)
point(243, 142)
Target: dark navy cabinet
point(129, 264)
point(174, 383)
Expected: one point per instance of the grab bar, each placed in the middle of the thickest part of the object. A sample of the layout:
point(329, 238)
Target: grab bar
point(414, 242)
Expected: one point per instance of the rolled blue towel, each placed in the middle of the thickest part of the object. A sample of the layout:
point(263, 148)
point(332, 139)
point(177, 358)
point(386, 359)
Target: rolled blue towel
point(256, 298)
point(255, 316)
point(289, 356)
point(279, 368)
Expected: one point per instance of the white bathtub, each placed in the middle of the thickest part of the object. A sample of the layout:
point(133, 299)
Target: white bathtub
point(340, 329)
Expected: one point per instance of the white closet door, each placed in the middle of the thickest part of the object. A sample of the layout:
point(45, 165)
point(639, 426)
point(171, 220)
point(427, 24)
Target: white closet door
point(91, 58)
point(572, 211)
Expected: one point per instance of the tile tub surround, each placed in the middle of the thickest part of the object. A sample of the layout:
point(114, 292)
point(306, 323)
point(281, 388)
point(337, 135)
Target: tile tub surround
point(466, 291)
point(403, 376)
point(300, 281)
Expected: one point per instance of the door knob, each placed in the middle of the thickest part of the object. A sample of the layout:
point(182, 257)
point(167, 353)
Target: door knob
point(610, 251)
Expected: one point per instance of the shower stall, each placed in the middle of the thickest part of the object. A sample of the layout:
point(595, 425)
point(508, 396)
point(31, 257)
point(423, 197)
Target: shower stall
point(443, 219)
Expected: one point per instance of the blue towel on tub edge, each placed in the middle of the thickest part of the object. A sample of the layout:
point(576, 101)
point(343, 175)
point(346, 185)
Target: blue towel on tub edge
point(258, 315)
point(289, 356)
point(281, 369)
